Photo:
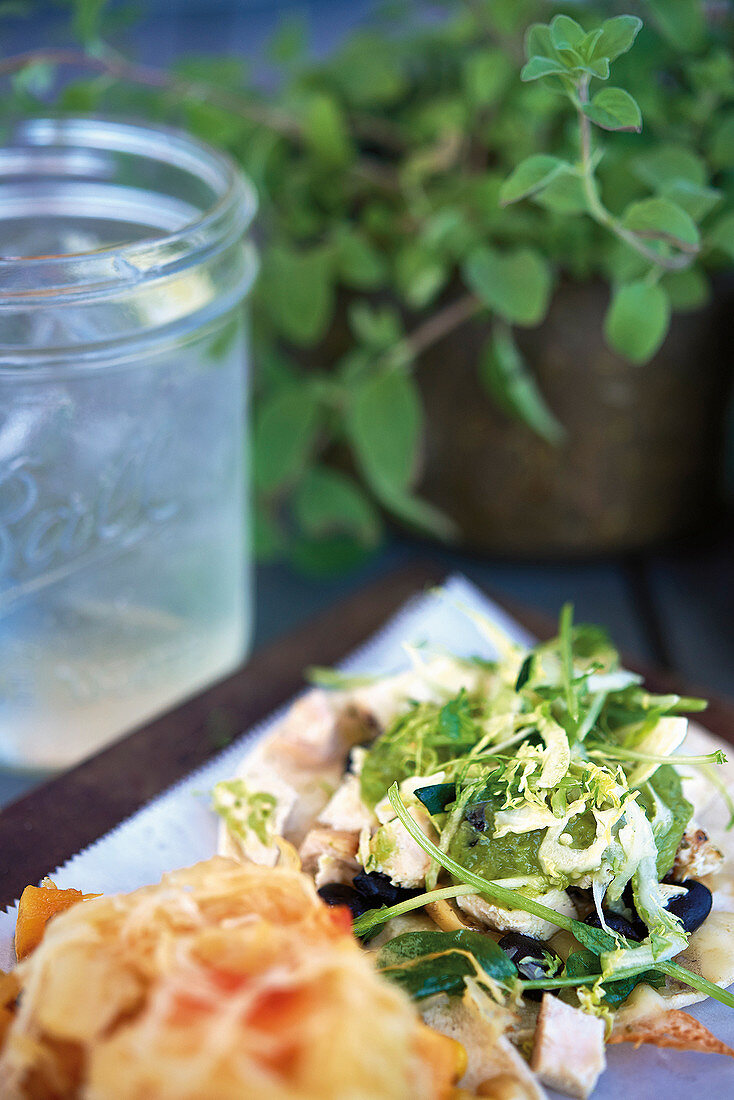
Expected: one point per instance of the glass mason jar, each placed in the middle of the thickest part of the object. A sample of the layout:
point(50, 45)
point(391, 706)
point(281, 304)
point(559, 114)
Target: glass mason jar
point(124, 557)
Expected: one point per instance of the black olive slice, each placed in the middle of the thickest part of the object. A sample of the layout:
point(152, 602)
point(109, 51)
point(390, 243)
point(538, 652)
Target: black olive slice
point(531, 957)
point(693, 907)
point(617, 923)
point(338, 893)
point(377, 889)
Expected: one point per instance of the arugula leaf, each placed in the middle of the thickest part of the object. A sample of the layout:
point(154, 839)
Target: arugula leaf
point(424, 963)
point(524, 674)
point(423, 977)
point(584, 964)
point(455, 721)
point(335, 680)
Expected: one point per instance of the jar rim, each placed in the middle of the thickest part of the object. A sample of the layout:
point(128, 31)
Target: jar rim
point(108, 268)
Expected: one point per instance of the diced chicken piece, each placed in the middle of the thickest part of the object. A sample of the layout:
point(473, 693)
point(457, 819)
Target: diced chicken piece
point(346, 811)
point(696, 855)
point(517, 920)
point(358, 725)
point(393, 851)
point(300, 795)
point(247, 846)
point(494, 1068)
point(330, 856)
point(435, 681)
point(309, 733)
point(320, 728)
point(568, 1053)
point(386, 698)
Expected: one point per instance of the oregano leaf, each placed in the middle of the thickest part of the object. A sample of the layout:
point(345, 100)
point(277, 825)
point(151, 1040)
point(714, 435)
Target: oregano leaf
point(289, 42)
point(358, 262)
point(617, 36)
point(268, 539)
point(378, 327)
point(421, 514)
point(296, 289)
point(663, 220)
point(384, 424)
point(587, 48)
point(327, 555)
point(485, 75)
point(696, 200)
point(87, 19)
point(530, 176)
point(614, 109)
point(566, 33)
point(538, 41)
point(681, 21)
point(637, 320)
point(721, 143)
point(367, 71)
point(328, 502)
point(564, 194)
point(326, 132)
point(667, 163)
point(419, 274)
point(721, 234)
point(687, 290)
point(538, 67)
point(516, 285)
point(510, 382)
point(597, 66)
point(284, 433)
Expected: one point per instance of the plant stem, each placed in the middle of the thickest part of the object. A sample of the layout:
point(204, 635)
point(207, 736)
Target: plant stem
point(598, 210)
point(440, 324)
point(260, 114)
point(373, 918)
point(696, 981)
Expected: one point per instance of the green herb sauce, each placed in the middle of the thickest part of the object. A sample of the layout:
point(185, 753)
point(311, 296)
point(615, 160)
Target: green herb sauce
point(512, 854)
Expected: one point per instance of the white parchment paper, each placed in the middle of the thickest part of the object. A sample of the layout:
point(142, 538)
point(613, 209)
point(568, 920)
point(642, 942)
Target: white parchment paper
point(178, 829)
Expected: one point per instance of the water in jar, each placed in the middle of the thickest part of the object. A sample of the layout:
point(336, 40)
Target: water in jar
point(123, 585)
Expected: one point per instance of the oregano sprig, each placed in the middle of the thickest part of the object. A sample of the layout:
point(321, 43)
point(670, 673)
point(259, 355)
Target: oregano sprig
point(659, 229)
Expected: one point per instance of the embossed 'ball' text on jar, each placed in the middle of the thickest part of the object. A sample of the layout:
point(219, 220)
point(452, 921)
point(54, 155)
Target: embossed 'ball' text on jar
point(124, 553)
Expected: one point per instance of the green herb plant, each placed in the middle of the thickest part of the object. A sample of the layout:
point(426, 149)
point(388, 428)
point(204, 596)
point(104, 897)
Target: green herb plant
point(421, 179)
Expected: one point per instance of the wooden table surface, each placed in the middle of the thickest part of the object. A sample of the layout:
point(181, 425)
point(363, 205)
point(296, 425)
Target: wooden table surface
point(52, 822)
